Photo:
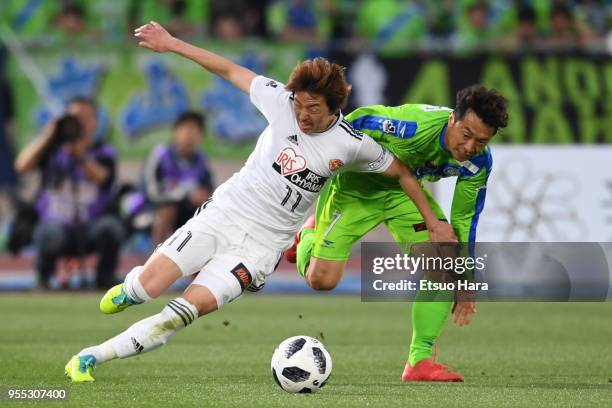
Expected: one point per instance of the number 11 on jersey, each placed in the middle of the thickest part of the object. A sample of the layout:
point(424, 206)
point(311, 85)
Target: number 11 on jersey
point(288, 196)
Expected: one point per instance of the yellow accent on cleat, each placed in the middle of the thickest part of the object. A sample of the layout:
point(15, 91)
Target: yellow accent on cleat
point(80, 369)
point(115, 300)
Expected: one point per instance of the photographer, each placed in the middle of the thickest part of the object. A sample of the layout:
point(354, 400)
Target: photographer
point(77, 187)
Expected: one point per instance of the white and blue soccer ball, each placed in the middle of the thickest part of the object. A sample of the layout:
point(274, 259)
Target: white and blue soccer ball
point(301, 364)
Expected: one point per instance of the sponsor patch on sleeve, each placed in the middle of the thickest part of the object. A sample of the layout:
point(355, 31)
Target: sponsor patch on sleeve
point(243, 275)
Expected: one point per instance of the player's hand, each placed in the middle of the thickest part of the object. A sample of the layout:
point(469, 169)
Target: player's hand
point(463, 310)
point(442, 231)
point(154, 37)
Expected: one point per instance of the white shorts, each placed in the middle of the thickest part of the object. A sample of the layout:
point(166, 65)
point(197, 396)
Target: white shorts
point(229, 260)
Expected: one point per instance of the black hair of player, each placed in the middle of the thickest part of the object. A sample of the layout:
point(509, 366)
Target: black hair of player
point(488, 104)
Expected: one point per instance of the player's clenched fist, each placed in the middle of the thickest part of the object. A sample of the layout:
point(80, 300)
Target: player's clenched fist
point(154, 37)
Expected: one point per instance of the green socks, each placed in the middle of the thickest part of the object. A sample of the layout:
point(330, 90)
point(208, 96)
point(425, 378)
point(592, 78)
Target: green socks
point(429, 313)
point(429, 310)
point(304, 251)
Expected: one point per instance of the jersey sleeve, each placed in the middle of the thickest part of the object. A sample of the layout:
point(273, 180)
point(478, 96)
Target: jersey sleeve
point(371, 157)
point(268, 96)
point(469, 201)
point(360, 112)
point(359, 119)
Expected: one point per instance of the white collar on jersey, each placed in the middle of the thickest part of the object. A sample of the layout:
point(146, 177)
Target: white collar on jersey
point(331, 127)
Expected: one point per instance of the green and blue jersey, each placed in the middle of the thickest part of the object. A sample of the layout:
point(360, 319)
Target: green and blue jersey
point(415, 134)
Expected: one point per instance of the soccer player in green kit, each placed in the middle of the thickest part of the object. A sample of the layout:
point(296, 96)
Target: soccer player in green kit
point(435, 142)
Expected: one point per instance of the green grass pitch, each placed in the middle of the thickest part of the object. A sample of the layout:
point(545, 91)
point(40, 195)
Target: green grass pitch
point(513, 354)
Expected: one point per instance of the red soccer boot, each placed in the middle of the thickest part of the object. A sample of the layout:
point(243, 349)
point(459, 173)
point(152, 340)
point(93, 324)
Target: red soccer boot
point(427, 370)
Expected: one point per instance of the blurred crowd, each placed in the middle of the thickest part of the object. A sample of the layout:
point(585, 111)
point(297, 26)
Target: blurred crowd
point(387, 25)
point(80, 207)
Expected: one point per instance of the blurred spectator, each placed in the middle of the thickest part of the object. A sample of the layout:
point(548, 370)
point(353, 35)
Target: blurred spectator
point(8, 178)
point(40, 21)
point(294, 20)
point(562, 29)
point(177, 179)
point(475, 27)
point(236, 19)
point(542, 10)
point(341, 14)
point(297, 20)
point(182, 18)
point(227, 27)
point(71, 19)
point(72, 24)
point(440, 20)
point(389, 26)
point(392, 26)
point(29, 20)
point(565, 32)
point(110, 18)
point(526, 35)
point(596, 15)
point(77, 187)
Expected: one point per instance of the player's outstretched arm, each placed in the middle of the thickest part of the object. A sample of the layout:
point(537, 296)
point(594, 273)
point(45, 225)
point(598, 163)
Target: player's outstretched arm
point(439, 231)
point(155, 37)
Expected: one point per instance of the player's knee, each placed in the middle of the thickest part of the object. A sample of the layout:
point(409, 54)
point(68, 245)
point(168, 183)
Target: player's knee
point(323, 274)
point(205, 306)
point(202, 299)
point(322, 284)
point(158, 274)
point(150, 285)
point(322, 279)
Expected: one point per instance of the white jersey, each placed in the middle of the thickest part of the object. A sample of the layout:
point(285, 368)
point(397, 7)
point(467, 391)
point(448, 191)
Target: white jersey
point(272, 194)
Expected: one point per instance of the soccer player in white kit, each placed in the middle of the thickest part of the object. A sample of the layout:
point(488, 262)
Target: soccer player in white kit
point(236, 239)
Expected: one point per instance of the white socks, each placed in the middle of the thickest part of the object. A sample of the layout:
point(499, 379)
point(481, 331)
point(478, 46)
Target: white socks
point(133, 287)
point(147, 334)
point(103, 352)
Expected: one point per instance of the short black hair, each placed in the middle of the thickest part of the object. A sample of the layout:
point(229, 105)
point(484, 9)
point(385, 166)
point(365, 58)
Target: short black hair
point(488, 104)
point(191, 116)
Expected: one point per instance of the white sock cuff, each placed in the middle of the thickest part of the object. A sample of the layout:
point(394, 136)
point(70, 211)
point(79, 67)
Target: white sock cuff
point(183, 309)
point(134, 288)
point(103, 352)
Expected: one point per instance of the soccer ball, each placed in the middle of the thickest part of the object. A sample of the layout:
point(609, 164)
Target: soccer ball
point(301, 364)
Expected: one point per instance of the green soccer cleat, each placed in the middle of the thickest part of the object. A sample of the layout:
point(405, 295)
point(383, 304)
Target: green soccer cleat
point(115, 300)
point(80, 368)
